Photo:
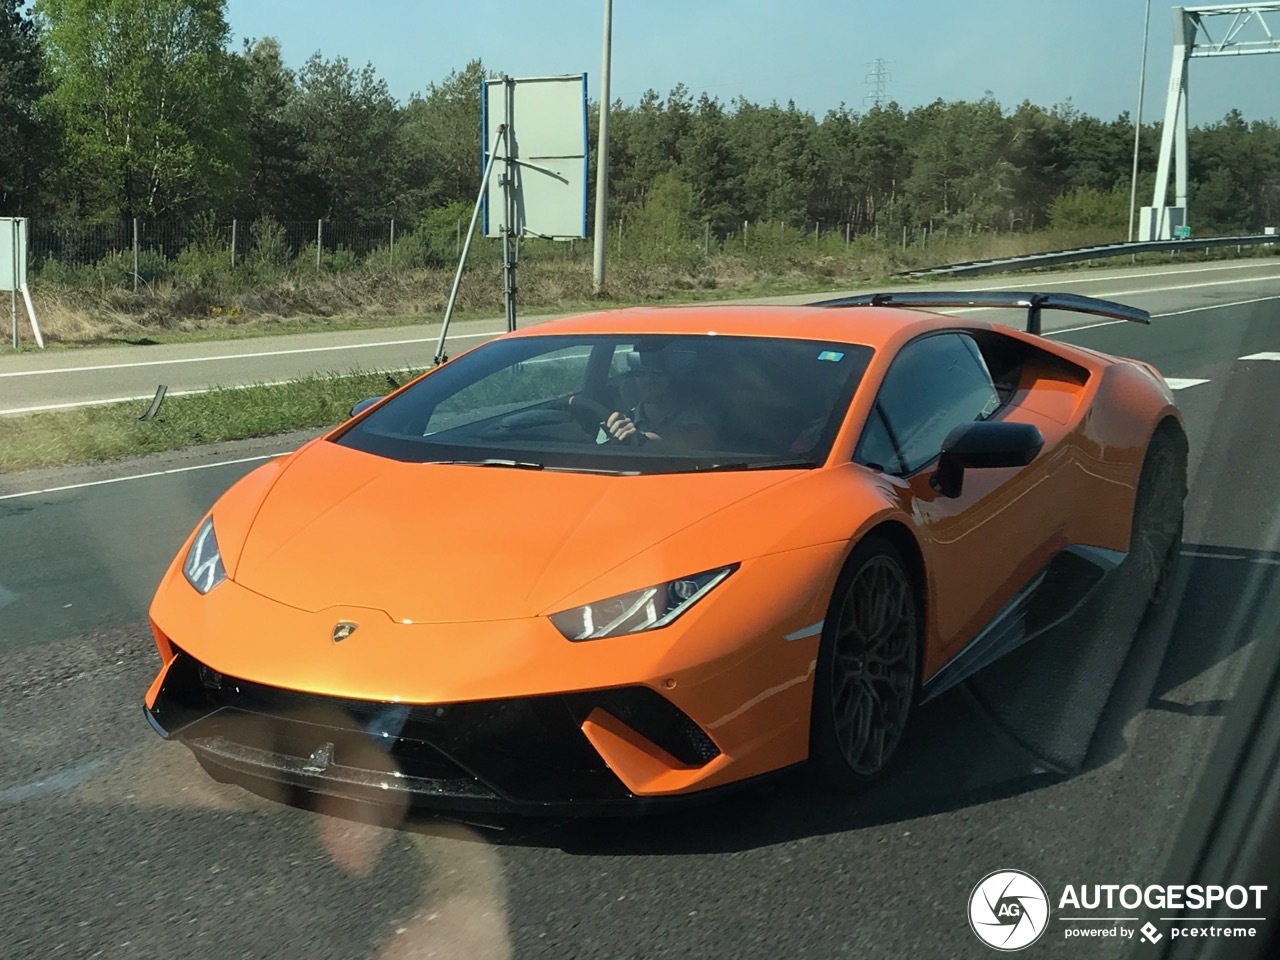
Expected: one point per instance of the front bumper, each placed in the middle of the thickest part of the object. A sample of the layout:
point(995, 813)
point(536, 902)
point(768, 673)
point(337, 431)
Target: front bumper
point(528, 755)
point(530, 720)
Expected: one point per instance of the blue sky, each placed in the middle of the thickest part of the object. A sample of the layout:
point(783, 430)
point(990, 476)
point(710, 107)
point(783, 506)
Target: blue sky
point(815, 52)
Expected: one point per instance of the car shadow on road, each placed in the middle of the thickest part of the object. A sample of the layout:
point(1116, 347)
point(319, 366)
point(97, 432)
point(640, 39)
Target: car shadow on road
point(1054, 709)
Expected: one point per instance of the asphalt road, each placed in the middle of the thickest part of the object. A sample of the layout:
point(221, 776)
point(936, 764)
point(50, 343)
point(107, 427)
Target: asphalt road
point(1071, 760)
point(60, 378)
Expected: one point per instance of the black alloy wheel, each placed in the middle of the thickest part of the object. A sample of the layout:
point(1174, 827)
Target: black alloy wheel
point(868, 665)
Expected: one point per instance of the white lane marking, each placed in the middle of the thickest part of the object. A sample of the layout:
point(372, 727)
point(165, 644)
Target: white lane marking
point(1265, 355)
point(805, 632)
point(45, 408)
point(1181, 383)
point(243, 356)
point(1123, 293)
point(473, 336)
point(140, 476)
point(1111, 294)
point(1215, 306)
point(1141, 274)
point(1191, 286)
point(60, 782)
point(1264, 561)
point(6, 596)
point(1086, 326)
point(1157, 316)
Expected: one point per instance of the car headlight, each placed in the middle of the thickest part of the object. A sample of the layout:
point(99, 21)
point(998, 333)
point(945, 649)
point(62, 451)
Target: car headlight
point(203, 568)
point(638, 610)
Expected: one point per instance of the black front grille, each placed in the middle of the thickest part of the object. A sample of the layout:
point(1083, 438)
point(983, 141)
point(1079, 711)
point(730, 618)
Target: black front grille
point(528, 749)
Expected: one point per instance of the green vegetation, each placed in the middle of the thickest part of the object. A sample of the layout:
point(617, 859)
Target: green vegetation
point(107, 432)
point(255, 204)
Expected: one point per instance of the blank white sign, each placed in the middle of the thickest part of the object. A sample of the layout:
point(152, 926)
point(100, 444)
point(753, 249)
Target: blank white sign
point(13, 253)
point(548, 142)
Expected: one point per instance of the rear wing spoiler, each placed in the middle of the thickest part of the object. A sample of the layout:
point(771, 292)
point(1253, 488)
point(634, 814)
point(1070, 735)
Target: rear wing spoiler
point(1033, 303)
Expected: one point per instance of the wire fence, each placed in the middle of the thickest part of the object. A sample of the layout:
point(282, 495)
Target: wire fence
point(135, 253)
point(83, 244)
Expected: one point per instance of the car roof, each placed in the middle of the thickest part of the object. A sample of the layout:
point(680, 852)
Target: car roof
point(867, 326)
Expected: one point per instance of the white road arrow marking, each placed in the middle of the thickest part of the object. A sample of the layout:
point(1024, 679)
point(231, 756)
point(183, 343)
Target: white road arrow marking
point(1178, 383)
point(1262, 356)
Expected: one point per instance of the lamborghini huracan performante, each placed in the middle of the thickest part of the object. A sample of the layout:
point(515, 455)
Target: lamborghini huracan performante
point(637, 556)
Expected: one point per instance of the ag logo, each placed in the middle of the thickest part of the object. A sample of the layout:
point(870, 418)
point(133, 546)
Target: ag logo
point(1008, 910)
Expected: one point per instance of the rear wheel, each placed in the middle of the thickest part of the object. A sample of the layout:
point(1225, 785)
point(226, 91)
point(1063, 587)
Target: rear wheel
point(1156, 539)
point(865, 684)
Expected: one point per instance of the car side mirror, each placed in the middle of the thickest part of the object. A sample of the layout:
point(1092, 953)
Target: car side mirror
point(984, 444)
point(362, 406)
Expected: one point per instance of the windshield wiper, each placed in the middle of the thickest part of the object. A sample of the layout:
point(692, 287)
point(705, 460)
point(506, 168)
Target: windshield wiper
point(597, 470)
point(793, 463)
point(493, 462)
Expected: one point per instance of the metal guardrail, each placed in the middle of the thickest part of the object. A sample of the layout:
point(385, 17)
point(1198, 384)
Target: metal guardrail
point(978, 267)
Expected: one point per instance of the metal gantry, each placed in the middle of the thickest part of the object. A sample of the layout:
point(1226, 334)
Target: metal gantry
point(1220, 30)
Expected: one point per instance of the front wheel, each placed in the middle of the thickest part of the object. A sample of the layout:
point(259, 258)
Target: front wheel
point(865, 684)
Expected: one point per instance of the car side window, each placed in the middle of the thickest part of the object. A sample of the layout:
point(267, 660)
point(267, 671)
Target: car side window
point(934, 385)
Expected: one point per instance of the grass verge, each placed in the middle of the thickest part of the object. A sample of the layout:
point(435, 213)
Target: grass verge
point(240, 305)
point(111, 431)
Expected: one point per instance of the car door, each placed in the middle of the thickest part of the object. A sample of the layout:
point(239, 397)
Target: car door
point(981, 547)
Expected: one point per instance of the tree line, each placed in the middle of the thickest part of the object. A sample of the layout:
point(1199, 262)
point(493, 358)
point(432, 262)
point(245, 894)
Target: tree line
point(118, 109)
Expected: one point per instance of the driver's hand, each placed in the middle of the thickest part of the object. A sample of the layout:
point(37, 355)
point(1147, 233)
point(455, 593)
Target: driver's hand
point(620, 427)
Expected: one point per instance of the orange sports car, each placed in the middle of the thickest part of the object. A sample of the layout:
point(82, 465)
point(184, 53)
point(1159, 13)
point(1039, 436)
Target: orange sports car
point(637, 556)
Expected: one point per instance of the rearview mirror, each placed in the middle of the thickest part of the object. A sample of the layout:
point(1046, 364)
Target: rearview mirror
point(984, 444)
point(362, 406)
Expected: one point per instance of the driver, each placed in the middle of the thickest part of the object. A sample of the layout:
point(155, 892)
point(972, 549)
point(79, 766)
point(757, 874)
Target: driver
point(664, 406)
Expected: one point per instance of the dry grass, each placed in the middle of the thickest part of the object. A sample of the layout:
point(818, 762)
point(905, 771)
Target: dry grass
point(301, 298)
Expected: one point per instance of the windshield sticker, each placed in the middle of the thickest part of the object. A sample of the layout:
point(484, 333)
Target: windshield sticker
point(831, 355)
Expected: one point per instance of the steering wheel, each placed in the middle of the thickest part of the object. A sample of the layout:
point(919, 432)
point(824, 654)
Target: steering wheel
point(591, 414)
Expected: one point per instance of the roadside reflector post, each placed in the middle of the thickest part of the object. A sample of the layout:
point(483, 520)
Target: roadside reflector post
point(14, 306)
point(155, 405)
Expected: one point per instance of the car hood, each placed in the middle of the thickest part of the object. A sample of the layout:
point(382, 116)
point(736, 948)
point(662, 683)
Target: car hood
point(435, 543)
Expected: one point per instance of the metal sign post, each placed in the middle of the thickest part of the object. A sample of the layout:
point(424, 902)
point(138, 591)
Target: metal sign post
point(510, 188)
point(542, 188)
point(466, 249)
point(13, 273)
point(13, 236)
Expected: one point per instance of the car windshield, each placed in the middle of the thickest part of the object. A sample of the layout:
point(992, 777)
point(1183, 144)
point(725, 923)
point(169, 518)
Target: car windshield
point(623, 404)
